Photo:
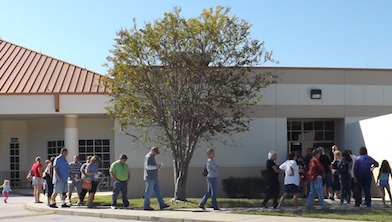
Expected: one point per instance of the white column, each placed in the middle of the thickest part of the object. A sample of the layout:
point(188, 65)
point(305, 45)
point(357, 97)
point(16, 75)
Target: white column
point(71, 140)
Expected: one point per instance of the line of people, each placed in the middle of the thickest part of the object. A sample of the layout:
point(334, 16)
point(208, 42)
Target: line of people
point(62, 178)
point(316, 174)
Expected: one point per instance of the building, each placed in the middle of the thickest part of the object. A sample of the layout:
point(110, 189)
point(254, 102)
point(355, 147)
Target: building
point(48, 104)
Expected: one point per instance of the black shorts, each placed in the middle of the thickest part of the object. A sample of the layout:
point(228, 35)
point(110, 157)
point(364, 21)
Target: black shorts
point(94, 185)
point(291, 188)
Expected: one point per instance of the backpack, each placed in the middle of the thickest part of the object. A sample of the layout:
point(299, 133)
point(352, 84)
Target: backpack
point(205, 172)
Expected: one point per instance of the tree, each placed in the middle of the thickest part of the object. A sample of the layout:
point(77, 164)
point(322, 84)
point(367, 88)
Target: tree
point(182, 80)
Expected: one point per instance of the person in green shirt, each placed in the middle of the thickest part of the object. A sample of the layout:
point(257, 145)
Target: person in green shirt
point(119, 171)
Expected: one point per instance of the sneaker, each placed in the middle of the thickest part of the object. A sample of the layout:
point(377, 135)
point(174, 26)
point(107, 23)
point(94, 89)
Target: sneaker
point(91, 206)
point(5, 201)
point(128, 208)
point(65, 206)
point(165, 206)
point(149, 208)
point(113, 207)
point(201, 207)
point(53, 206)
point(79, 203)
point(217, 208)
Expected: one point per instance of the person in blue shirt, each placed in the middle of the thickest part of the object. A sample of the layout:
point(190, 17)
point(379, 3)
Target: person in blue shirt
point(363, 175)
point(60, 177)
point(212, 169)
point(92, 173)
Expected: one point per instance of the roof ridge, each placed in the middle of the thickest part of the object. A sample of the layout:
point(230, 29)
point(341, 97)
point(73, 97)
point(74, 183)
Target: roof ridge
point(39, 73)
point(43, 54)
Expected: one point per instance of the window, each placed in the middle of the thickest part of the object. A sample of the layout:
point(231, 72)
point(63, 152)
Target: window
point(303, 134)
point(14, 164)
point(99, 147)
point(54, 148)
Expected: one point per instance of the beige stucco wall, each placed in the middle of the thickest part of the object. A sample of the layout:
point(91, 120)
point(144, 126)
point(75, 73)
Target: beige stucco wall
point(33, 134)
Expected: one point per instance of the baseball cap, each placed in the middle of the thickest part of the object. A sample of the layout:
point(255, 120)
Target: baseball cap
point(155, 149)
point(123, 156)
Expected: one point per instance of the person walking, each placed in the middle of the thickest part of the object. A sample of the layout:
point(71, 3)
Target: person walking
point(344, 168)
point(316, 173)
point(383, 180)
point(212, 176)
point(38, 181)
point(83, 175)
point(364, 175)
point(6, 190)
point(291, 179)
point(92, 173)
point(60, 176)
point(151, 179)
point(119, 172)
point(272, 179)
point(48, 176)
point(74, 180)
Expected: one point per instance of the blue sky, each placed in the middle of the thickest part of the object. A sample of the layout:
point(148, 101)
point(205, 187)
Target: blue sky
point(333, 33)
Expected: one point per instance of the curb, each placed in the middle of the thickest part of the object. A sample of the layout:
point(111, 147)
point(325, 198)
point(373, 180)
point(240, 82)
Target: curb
point(82, 213)
point(118, 214)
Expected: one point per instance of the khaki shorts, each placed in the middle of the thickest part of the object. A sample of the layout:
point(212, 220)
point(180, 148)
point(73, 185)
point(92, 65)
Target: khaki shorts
point(60, 188)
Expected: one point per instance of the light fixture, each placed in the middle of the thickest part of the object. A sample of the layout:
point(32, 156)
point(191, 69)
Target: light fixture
point(315, 93)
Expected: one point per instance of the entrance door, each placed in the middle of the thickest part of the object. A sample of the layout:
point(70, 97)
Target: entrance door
point(294, 146)
point(310, 133)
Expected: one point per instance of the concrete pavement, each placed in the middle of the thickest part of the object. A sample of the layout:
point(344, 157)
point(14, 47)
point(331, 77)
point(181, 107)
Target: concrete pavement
point(180, 215)
point(15, 211)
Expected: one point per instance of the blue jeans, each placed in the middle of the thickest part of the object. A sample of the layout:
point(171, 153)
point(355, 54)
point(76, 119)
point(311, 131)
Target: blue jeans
point(153, 185)
point(364, 183)
point(211, 192)
point(316, 188)
point(123, 187)
point(345, 187)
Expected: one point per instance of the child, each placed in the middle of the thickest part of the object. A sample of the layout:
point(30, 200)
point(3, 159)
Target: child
point(6, 189)
point(383, 178)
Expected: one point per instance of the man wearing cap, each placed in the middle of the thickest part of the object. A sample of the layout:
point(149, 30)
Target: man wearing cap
point(119, 171)
point(151, 178)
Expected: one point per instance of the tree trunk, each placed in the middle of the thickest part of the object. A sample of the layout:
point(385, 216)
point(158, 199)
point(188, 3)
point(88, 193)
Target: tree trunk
point(180, 172)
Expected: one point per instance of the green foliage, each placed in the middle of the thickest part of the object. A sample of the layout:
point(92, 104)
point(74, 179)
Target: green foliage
point(243, 187)
point(180, 80)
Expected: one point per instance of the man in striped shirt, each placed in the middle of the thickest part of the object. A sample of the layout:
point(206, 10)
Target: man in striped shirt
point(74, 180)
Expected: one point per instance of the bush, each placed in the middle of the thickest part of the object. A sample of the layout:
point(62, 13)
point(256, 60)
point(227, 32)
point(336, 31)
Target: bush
point(243, 187)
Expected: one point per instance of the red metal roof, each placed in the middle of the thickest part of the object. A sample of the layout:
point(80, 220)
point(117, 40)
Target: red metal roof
point(27, 72)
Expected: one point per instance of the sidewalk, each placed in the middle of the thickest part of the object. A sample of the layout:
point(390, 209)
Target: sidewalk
point(180, 215)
